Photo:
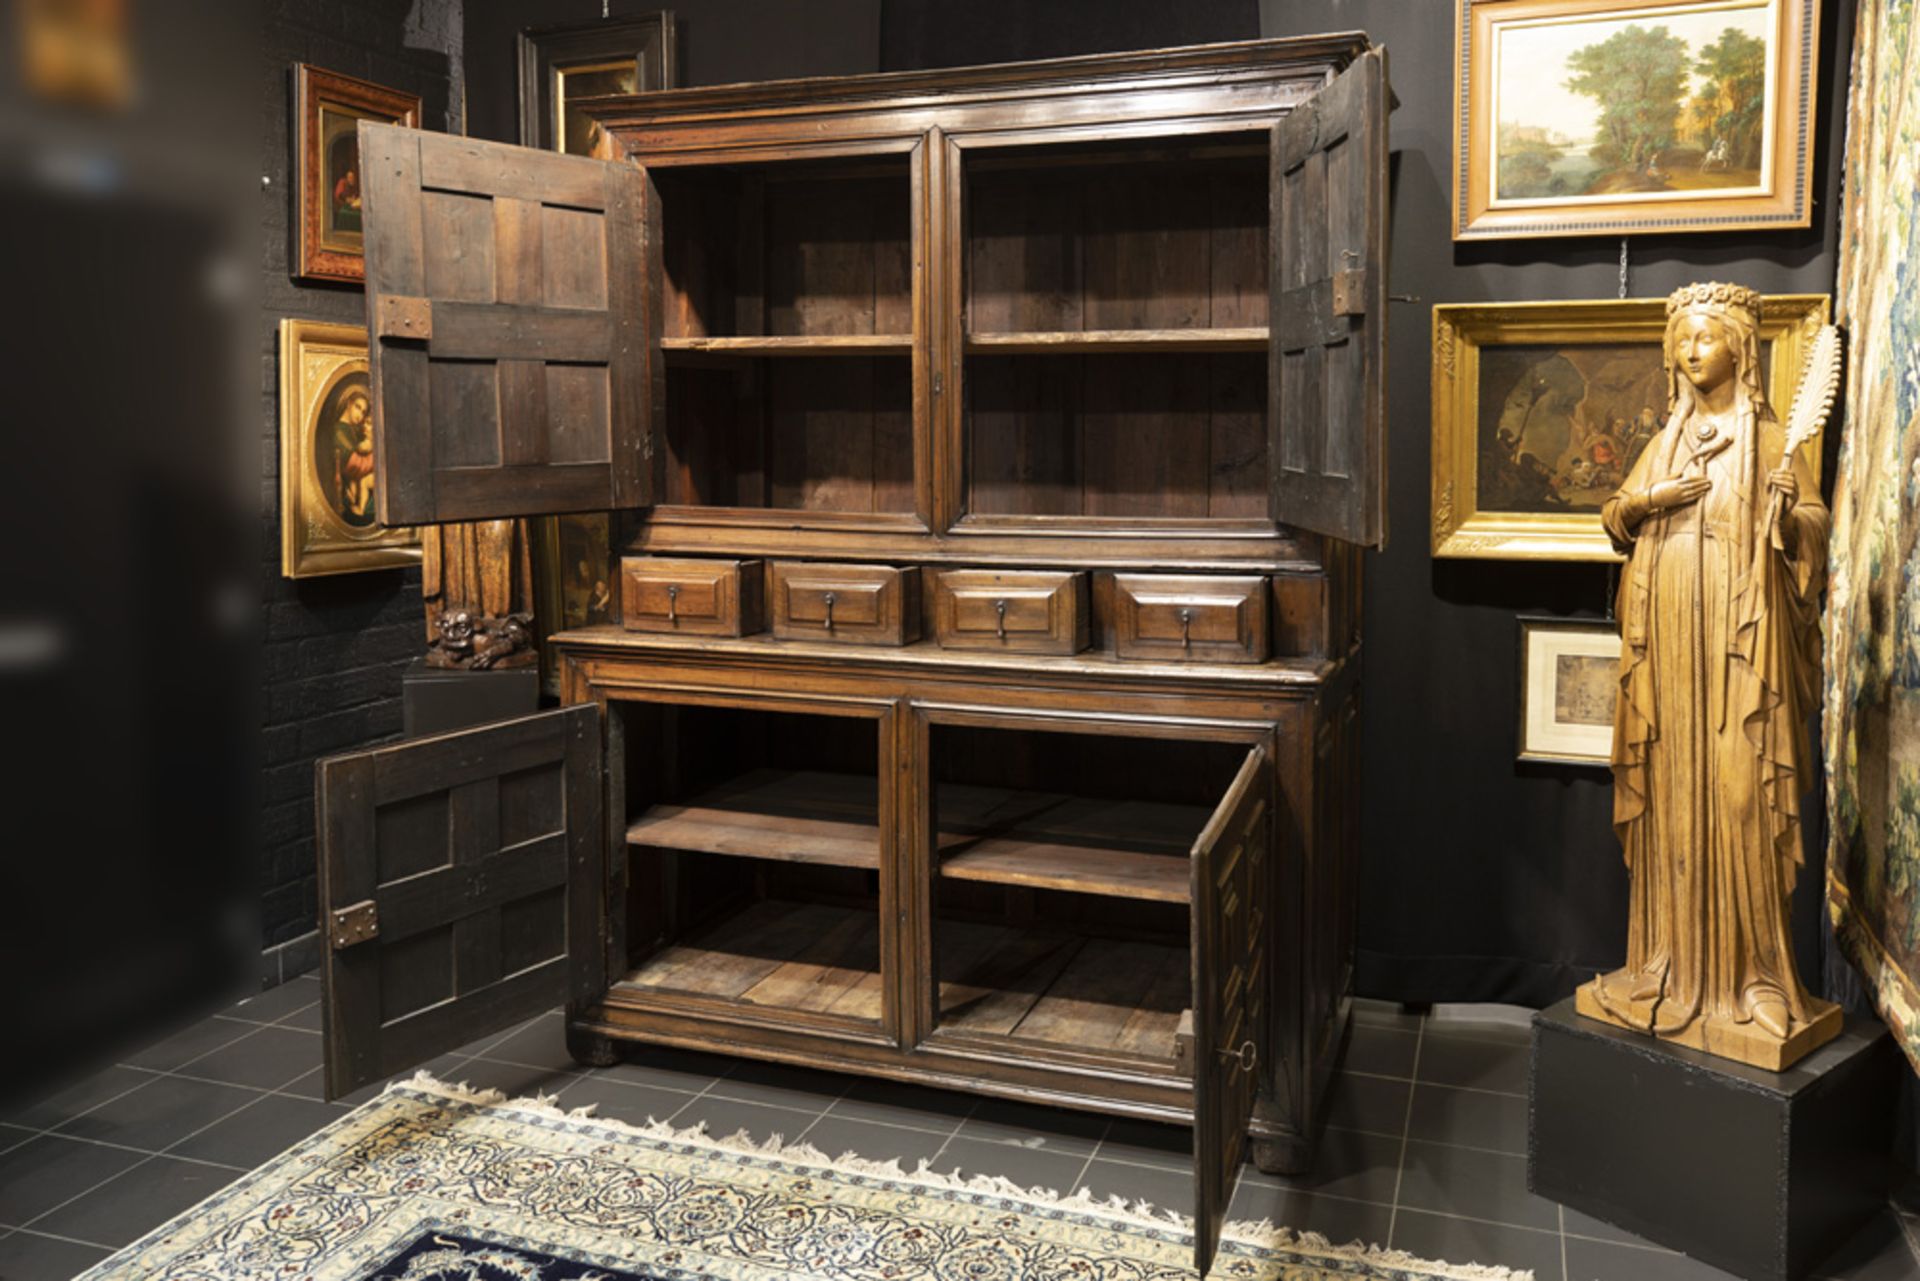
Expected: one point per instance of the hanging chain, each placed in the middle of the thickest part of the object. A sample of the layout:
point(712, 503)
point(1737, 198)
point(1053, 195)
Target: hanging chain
point(1623, 266)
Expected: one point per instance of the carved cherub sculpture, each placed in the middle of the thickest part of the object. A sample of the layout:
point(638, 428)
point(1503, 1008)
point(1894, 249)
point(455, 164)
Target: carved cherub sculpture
point(466, 644)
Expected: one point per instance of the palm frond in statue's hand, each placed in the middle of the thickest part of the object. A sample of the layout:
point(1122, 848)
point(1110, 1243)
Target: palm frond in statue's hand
point(1819, 384)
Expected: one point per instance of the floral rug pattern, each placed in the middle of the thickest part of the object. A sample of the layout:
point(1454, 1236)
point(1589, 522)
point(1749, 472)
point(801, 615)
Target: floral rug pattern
point(1872, 713)
point(430, 1176)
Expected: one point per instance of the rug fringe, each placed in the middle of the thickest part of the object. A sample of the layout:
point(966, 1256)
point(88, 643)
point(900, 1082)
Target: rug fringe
point(1263, 1233)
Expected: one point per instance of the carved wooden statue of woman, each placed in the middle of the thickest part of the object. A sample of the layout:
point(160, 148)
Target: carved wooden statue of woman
point(1719, 668)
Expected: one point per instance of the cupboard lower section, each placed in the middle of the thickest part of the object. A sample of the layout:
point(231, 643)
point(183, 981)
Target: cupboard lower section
point(899, 866)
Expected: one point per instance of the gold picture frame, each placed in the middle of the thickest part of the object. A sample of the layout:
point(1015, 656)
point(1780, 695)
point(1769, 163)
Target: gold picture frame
point(1590, 364)
point(1569, 681)
point(328, 519)
point(1555, 132)
point(327, 110)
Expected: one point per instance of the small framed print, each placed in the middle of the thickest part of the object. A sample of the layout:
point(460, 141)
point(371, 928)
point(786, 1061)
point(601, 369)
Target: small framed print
point(328, 520)
point(327, 111)
point(1569, 679)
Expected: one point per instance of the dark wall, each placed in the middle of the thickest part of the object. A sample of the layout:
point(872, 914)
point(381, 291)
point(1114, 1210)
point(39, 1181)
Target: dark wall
point(1485, 879)
point(335, 646)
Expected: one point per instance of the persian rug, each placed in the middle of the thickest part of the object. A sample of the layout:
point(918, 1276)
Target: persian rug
point(432, 1182)
point(1872, 712)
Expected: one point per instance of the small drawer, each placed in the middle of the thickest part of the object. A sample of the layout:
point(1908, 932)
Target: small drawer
point(1190, 618)
point(853, 604)
point(1014, 611)
point(692, 597)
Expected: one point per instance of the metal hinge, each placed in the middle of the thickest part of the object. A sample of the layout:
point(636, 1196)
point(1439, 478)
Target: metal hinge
point(355, 924)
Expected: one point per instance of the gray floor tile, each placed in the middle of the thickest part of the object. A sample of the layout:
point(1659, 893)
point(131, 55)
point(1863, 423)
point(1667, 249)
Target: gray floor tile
point(1605, 1261)
point(12, 1136)
point(312, 1018)
point(515, 1080)
point(1574, 1223)
point(838, 1135)
point(267, 1058)
point(27, 1256)
point(1029, 1125)
point(1368, 1103)
point(61, 1105)
point(1340, 1221)
point(1148, 1143)
point(276, 1003)
point(1162, 1187)
point(802, 1089)
point(1349, 1164)
point(1462, 1241)
point(1482, 1064)
point(43, 1172)
point(896, 1103)
point(1028, 1167)
point(527, 1035)
point(185, 1046)
point(136, 1202)
point(1476, 1185)
point(542, 1044)
point(1381, 1051)
point(259, 1132)
point(1475, 1118)
point(160, 1113)
point(619, 1101)
point(1386, 1014)
point(1878, 1252)
point(668, 1069)
point(726, 1117)
point(1507, 1024)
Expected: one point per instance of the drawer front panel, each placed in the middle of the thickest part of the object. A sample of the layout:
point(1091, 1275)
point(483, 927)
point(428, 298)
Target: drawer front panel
point(1190, 618)
point(1022, 612)
point(691, 597)
point(853, 604)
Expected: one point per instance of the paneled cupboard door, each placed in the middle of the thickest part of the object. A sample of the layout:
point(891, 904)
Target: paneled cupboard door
point(460, 888)
point(1327, 357)
point(511, 298)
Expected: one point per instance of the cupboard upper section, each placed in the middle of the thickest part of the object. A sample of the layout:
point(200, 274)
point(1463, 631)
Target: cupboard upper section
point(1090, 300)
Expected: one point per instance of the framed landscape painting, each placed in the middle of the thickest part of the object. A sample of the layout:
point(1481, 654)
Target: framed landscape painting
point(1540, 410)
point(1609, 117)
point(563, 67)
point(1569, 680)
point(327, 111)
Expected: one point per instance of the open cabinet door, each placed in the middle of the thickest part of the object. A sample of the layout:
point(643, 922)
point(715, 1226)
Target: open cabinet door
point(1326, 413)
point(1229, 870)
point(461, 889)
point(509, 331)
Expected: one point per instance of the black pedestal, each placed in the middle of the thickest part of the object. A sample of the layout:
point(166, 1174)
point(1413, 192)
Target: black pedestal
point(1760, 1173)
point(438, 700)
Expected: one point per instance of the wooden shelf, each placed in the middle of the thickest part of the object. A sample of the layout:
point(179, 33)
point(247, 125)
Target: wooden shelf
point(793, 345)
point(1113, 341)
point(794, 816)
point(1123, 849)
point(1062, 989)
point(790, 956)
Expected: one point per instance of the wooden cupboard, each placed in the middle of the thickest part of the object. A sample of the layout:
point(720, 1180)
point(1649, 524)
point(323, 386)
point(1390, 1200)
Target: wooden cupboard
point(993, 450)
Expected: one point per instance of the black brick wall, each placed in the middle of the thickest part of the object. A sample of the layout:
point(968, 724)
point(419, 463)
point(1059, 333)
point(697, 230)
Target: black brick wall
point(335, 646)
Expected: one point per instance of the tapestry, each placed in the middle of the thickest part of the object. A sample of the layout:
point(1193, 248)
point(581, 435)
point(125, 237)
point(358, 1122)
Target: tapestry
point(434, 1182)
point(1872, 713)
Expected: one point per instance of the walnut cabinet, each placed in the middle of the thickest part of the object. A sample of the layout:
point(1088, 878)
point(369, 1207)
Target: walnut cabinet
point(993, 451)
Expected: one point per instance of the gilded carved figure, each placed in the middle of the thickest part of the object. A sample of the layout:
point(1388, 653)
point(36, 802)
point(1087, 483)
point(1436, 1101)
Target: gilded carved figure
point(1726, 539)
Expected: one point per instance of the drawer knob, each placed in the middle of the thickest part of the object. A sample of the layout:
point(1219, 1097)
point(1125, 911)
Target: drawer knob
point(1186, 627)
point(673, 602)
point(828, 600)
point(1000, 622)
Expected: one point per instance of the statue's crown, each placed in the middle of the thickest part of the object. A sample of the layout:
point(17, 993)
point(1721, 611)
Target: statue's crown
point(1715, 296)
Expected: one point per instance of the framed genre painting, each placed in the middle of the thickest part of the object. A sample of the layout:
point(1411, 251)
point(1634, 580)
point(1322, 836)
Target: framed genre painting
point(1569, 679)
point(1608, 117)
point(327, 477)
point(563, 67)
point(1541, 408)
point(327, 111)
